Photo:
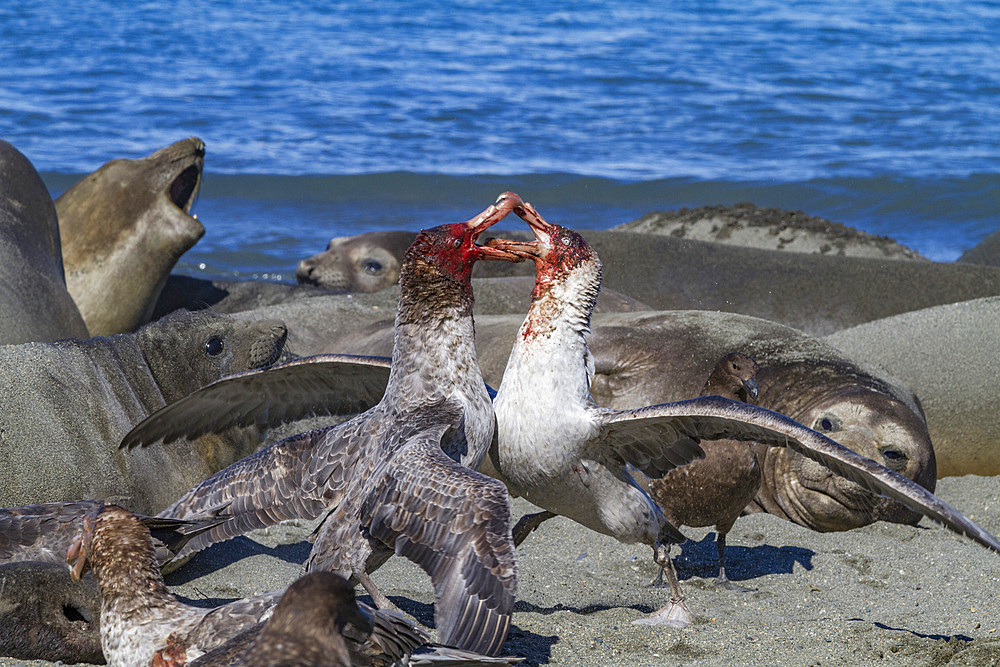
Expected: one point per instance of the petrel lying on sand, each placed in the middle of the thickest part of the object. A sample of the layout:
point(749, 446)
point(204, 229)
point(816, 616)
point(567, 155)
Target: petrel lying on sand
point(560, 450)
point(399, 478)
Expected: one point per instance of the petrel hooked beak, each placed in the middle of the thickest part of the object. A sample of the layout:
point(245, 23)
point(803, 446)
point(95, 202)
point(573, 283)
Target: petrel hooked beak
point(750, 385)
point(543, 230)
point(79, 548)
point(505, 203)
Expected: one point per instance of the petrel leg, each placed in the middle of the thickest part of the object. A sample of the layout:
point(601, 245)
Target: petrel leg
point(723, 580)
point(528, 523)
point(380, 600)
point(674, 613)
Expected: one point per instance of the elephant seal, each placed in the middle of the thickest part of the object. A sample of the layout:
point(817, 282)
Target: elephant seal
point(316, 317)
point(35, 303)
point(646, 358)
point(45, 615)
point(362, 263)
point(79, 398)
point(986, 252)
point(949, 355)
point(669, 273)
point(228, 296)
point(751, 226)
point(123, 228)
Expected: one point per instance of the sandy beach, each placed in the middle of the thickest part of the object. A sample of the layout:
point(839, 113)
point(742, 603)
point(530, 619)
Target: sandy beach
point(880, 595)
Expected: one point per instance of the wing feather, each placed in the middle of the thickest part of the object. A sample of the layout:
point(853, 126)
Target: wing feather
point(664, 433)
point(298, 477)
point(455, 524)
point(318, 385)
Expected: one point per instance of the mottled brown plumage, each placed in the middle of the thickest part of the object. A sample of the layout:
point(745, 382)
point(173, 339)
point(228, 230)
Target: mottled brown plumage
point(141, 622)
point(319, 622)
point(399, 478)
point(714, 490)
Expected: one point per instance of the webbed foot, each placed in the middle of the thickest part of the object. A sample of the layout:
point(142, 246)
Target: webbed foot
point(673, 614)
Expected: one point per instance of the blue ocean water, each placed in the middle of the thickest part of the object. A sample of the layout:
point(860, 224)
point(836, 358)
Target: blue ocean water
point(325, 118)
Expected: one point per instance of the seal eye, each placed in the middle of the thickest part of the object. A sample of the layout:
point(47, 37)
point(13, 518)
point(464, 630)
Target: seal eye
point(893, 454)
point(457, 243)
point(371, 266)
point(826, 424)
point(214, 346)
point(894, 458)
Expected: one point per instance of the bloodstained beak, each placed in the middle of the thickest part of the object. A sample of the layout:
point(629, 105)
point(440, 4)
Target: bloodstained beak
point(542, 230)
point(76, 555)
point(505, 203)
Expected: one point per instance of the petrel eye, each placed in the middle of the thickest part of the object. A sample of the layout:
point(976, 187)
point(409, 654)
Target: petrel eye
point(214, 346)
point(565, 240)
point(371, 266)
point(457, 243)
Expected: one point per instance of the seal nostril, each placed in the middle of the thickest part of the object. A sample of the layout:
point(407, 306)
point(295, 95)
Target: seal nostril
point(73, 614)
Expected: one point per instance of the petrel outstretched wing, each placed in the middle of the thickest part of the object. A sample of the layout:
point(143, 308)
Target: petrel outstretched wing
point(323, 384)
point(298, 477)
point(658, 436)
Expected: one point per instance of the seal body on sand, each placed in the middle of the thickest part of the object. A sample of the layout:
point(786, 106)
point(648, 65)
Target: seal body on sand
point(663, 356)
point(65, 406)
point(45, 615)
point(669, 273)
point(986, 252)
point(317, 317)
point(228, 296)
point(949, 355)
point(35, 303)
point(646, 358)
point(752, 226)
point(123, 228)
point(362, 263)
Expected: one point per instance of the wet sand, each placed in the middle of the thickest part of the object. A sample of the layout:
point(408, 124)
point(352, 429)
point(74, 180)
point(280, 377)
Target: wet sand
point(884, 594)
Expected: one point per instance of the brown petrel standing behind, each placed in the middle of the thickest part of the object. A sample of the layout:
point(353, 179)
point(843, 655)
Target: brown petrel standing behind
point(713, 491)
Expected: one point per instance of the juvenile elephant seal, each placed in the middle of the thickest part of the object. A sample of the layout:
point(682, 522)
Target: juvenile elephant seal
point(363, 263)
point(123, 228)
point(646, 358)
point(34, 302)
point(668, 273)
point(65, 406)
point(45, 615)
point(949, 355)
point(752, 226)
